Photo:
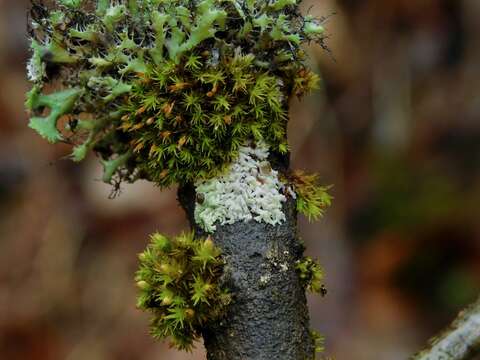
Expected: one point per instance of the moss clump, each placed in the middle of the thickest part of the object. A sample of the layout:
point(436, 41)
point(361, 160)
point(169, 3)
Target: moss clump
point(318, 339)
point(319, 343)
point(311, 275)
point(178, 281)
point(311, 197)
point(172, 88)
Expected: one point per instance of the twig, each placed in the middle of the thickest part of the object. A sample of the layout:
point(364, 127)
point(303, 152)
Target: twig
point(460, 341)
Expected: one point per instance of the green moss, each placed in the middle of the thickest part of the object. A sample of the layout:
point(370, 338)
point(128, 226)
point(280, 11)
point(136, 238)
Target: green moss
point(311, 275)
point(176, 84)
point(179, 285)
point(319, 343)
point(188, 122)
point(312, 198)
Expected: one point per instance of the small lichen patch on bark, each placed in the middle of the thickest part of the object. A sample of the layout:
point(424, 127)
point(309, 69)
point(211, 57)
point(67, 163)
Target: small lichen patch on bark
point(264, 279)
point(250, 189)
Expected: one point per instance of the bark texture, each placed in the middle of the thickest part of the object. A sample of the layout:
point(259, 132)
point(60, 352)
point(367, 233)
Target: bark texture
point(460, 341)
point(268, 318)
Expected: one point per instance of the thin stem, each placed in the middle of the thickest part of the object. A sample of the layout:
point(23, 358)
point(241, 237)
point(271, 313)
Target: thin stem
point(460, 341)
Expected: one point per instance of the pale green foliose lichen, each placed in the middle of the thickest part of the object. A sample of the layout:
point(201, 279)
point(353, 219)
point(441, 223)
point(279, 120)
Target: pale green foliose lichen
point(250, 189)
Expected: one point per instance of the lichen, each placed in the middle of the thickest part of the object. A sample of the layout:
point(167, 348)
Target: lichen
point(178, 85)
point(265, 279)
point(36, 68)
point(249, 189)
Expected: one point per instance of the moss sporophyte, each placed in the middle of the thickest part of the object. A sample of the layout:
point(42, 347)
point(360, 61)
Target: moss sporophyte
point(179, 92)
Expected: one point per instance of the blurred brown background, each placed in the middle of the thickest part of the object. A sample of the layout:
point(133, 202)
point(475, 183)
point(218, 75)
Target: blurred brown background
point(396, 128)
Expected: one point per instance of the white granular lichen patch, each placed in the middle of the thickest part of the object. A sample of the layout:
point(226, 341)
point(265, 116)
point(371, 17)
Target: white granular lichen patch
point(250, 189)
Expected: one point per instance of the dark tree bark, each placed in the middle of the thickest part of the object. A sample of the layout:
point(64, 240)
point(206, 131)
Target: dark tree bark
point(268, 318)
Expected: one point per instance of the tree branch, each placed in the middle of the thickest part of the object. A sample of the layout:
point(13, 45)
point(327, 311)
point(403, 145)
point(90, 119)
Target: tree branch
point(460, 341)
point(268, 318)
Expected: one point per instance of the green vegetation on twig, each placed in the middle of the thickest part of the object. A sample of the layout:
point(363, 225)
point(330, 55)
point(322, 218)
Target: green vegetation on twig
point(312, 198)
point(179, 285)
point(171, 87)
point(311, 275)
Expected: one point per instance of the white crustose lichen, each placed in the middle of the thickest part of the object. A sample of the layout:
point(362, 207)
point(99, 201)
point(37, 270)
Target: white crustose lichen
point(250, 189)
